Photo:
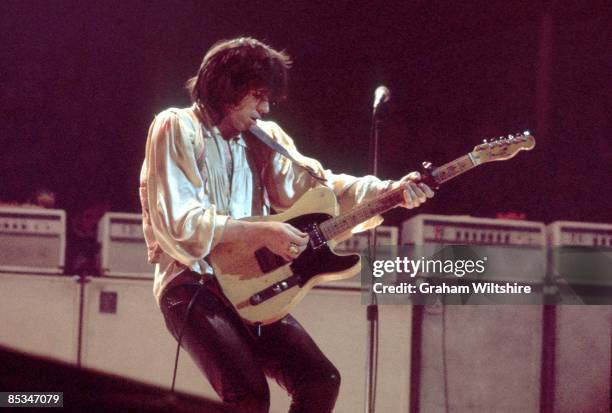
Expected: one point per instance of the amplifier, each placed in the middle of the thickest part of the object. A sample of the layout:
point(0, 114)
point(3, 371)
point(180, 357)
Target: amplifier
point(581, 252)
point(585, 234)
point(32, 240)
point(123, 252)
point(466, 230)
point(514, 250)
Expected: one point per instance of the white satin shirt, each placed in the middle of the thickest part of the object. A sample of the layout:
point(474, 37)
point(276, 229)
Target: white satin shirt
point(190, 185)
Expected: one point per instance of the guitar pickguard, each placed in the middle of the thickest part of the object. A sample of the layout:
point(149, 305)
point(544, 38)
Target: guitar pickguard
point(318, 258)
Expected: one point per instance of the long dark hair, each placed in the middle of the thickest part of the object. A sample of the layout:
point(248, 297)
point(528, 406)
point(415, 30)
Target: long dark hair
point(232, 68)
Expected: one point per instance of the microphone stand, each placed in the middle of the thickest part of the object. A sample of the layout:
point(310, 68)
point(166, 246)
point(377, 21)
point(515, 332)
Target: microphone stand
point(372, 308)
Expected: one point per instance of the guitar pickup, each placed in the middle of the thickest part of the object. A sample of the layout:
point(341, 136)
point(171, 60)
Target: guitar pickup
point(317, 239)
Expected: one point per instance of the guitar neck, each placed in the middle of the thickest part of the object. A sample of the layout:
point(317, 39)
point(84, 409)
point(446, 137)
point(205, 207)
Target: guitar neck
point(390, 199)
point(454, 168)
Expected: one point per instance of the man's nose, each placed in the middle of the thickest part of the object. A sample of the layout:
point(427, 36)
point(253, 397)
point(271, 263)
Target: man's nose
point(263, 107)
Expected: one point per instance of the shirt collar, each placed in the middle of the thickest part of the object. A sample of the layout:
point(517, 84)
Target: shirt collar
point(213, 130)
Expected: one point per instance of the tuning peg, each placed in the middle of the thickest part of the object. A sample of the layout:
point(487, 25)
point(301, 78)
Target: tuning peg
point(484, 141)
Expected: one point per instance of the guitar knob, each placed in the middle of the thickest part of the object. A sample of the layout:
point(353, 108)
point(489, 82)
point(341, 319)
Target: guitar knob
point(284, 285)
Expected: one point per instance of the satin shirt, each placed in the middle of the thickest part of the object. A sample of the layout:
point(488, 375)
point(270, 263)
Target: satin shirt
point(191, 184)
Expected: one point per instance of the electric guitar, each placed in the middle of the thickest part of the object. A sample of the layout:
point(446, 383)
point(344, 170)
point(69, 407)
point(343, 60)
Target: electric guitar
point(264, 288)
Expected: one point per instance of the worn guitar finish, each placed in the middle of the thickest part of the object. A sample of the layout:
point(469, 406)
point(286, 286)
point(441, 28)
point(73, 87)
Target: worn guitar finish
point(264, 288)
point(261, 285)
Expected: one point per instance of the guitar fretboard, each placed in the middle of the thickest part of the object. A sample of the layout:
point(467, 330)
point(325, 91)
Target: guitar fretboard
point(389, 200)
point(364, 211)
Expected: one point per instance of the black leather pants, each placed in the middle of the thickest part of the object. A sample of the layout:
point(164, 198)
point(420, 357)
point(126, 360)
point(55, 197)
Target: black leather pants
point(236, 360)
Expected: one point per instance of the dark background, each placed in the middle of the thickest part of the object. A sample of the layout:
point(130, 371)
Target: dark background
point(81, 81)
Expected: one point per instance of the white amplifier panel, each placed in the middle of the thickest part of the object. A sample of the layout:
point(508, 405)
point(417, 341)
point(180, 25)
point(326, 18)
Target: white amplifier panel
point(32, 240)
point(123, 250)
point(584, 234)
point(39, 314)
point(466, 230)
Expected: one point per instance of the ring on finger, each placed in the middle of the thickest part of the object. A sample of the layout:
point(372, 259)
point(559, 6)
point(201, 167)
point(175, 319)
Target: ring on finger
point(293, 248)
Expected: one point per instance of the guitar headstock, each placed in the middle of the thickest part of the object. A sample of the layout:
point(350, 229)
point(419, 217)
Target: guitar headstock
point(503, 148)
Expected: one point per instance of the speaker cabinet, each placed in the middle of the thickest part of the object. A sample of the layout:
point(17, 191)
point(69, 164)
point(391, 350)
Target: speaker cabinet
point(40, 314)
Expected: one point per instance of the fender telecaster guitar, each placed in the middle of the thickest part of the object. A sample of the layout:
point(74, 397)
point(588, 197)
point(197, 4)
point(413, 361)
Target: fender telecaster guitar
point(264, 288)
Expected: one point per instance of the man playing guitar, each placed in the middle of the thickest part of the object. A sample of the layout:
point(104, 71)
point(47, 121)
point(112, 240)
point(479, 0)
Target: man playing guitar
point(203, 171)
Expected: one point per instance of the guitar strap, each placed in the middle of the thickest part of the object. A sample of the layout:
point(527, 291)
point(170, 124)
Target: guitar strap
point(263, 137)
point(276, 147)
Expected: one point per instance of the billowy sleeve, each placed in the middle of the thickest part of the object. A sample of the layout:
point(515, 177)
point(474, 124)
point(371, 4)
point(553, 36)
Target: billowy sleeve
point(287, 182)
point(177, 214)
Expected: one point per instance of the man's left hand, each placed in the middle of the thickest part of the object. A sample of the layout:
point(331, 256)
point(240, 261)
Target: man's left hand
point(415, 192)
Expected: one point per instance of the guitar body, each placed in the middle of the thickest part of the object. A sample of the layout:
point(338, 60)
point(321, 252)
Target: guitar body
point(262, 286)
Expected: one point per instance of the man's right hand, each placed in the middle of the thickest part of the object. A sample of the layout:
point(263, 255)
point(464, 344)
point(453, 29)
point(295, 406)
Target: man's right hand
point(284, 239)
point(280, 238)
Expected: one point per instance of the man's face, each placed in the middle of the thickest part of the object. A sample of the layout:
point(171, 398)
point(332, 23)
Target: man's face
point(244, 114)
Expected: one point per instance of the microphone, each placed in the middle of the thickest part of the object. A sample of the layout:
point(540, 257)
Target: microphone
point(381, 95)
